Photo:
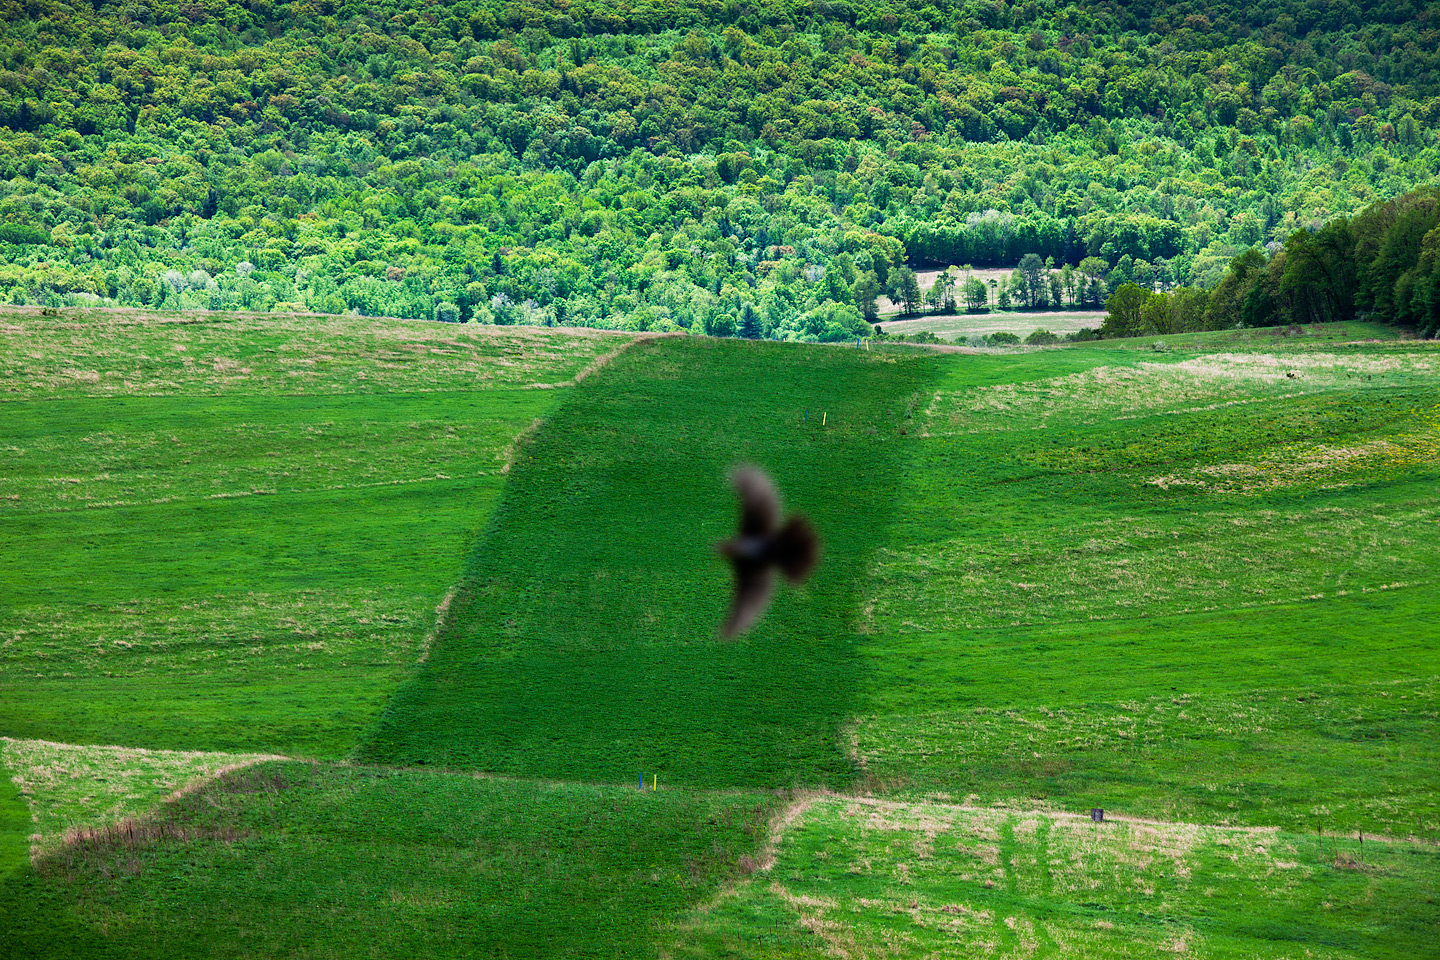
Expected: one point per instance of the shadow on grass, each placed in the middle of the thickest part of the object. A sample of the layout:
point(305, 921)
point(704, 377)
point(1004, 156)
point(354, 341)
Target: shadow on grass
point(584, 645)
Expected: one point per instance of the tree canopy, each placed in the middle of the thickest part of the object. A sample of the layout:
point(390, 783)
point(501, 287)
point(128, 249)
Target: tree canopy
point(654, 165)
point(1383, 264)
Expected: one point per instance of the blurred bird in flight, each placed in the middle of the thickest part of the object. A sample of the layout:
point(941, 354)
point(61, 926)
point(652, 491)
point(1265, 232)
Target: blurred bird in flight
point(761, 545)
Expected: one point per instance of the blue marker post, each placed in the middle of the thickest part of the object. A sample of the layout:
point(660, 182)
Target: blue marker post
point(807, 416)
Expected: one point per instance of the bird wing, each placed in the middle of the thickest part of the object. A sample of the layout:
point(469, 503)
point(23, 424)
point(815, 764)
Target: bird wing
point(759, 503)
point(754, 582)
point(796, 549)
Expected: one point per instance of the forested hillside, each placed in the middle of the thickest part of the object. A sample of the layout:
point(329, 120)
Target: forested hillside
point(693, 164)
point(1383, 263)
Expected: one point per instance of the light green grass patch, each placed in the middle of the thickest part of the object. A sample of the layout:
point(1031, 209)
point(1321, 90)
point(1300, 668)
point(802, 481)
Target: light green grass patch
point(70, 788)
point(1350, 737)
point(1041, 560)
point(89, 453)
point(1370, 748)
point(1174, 385)
point(233, 533)
point(870, 877)
point(1144, 564)
point(284, 633)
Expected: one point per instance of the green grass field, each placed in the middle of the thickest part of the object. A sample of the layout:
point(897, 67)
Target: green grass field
point(1186, 579)
point(233, 534)
point(294, 859)
point(867, 877)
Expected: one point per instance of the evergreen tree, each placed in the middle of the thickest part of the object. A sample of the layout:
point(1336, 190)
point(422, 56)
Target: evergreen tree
point(749, 327)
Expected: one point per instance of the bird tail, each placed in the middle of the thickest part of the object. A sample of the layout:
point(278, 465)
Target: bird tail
point(797, 549)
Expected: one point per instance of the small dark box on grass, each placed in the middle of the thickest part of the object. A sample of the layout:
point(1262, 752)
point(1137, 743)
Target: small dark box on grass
point(1097, 814)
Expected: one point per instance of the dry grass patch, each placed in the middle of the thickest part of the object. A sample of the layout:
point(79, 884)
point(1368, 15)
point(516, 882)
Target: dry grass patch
point(79, 792)
point(126, 352)
point(1207, 382)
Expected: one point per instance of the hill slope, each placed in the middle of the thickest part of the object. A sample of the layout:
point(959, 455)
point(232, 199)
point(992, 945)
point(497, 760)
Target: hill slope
point(583, 644)
point(232, 533)
point(1187, 581)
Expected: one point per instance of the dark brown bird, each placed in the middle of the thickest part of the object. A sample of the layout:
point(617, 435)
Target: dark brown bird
point(762, 545)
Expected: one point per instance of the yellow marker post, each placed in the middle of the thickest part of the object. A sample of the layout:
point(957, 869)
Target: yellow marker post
point(823, 418)
point(655, 783)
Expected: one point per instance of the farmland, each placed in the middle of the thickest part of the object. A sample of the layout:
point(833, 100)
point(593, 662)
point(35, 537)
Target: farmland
point(232, 534)
point(960, 326)
point(1186, 580)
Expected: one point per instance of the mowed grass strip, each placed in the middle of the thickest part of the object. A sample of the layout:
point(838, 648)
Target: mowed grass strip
point(583, 645)
point(869, 877)
point(232, 533)
point(298, 860)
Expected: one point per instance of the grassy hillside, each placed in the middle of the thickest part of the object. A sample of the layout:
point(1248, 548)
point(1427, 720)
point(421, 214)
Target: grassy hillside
point(299, 860)
point(1195, 582)
point(1186, 580)
point(584, 641)
point(233, 533)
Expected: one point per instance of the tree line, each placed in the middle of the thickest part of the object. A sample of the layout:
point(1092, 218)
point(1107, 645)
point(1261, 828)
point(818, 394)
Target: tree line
point(1382, 264)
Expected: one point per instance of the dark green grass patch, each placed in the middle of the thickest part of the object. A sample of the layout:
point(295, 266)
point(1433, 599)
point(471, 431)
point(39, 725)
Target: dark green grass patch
point(585, 646)
point(294, 860)
point(15, 828)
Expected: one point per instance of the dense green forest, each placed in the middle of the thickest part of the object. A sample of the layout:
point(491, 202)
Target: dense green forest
point(1384, 264)
point(766, 168)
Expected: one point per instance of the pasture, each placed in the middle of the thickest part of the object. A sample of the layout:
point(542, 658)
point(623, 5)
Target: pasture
point(1187, 580)
point(958, 327)
point(859, 876)
point(232, 533)
point(926, 279)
